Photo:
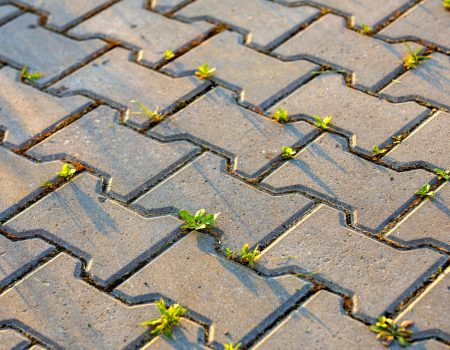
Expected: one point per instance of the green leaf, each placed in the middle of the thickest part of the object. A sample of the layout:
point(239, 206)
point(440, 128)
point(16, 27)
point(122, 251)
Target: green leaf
point(185, 215)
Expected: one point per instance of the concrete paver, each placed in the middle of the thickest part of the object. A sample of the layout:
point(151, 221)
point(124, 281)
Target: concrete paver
point(11, 339)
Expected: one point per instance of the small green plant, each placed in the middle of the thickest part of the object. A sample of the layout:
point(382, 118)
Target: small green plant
point(170, 317)
point(67, 171)
point(205, 71)
point(424, 191)
point(27, 75)
point(377, 150)
point(230, 346)
point(446, 4)
point(365, 29)
point(387, 331)
point(288, 153)
point(168, 55)
point(318, 72)
point(153, 115)
point(199, 221)
point(280, 115)
point(412, 58)
point(322, 123)
point(249, 257)
point(442, 174)
point(229, 253)
point(397, 139)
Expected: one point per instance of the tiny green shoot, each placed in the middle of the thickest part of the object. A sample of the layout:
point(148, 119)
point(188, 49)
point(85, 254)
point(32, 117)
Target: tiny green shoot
point(446, 4)
point(67, 171)
point(387, 331)
point(442, 174)
point(153, 115)
point(322, 123)
point(318, 72)
point(27, 75)
point(229, 253)
point(199, 221)
point(365, 29)
point(205, 71)
point(230, 346)
point(397, 139)
point(412, 58)
point(378, 151)
point(249, 257)
point(288, 153)
point(424, 191)
point(280, 115)
point(168, 55)
point(170, 317)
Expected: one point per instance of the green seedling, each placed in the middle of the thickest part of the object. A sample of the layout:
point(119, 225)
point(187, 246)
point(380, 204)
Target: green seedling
point(322, 123)
point(288, 153)
point(168, 55)
point(365, 29)
point(446, 4)
point(67, 171)
point(205, 71)
point(397, 139)
point(442, 174)
point(424, 191)
point(249, 257)
point(199, 221)
point(412, 58)
point(387, 331)
point(153, 115)
point(28, 76)
point(377, 151)
point(230, 346)
point(317, 72)
point(229, 253)
point(280, 115)
point(170, 317)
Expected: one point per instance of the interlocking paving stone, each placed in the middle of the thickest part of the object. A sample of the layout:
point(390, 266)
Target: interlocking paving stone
point(428, 82)
point(260, 77)
point(17, 257)
point(32, 44)
point(165, 5)
point(431, 309)
point(150, 33)
point(65, 12)
point(95, 228)
point(430, 222)
point(241, 301)
point(363, 11)
point(131, 159)
point(265, 22)
point(63, 311)
point(325, 167)
point(11, 339)
point(368, 120)
point(327, 40)
point(427, 20)
point(428, 143)
point(20, 180)
point(7, 11)
point(26, 111)
point(261, 140)
point(355, 263)
point(244, 210)
point(114, 77)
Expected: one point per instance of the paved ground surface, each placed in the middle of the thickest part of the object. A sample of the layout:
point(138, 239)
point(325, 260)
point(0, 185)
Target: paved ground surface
point(344, 238)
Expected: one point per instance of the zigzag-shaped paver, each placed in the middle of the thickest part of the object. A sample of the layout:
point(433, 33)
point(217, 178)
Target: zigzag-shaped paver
point(148, 32)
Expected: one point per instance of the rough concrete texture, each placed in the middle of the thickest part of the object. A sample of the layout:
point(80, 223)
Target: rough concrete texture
point(260, 78)
point(148, 32)
point(362, 11)
point(48, 302)
point(244, 209)
point(118, 80)
point(358, 265)
point(19, 256)
point(261, 140)
point(110, 238)
point(367, 120)
point(417, 228)
point(7, 11)
point(427, 21)
point(20, 180)
point(26, 112)
point(273, 23)
point(32, 44)
point(429, 82)
point(427, 144)
point(376, 194)
point(11, 339)
point(329, 41)
point(99, 141)
point(62, 13)
point(429, 313)
point(194, 266)
point(166, 5)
